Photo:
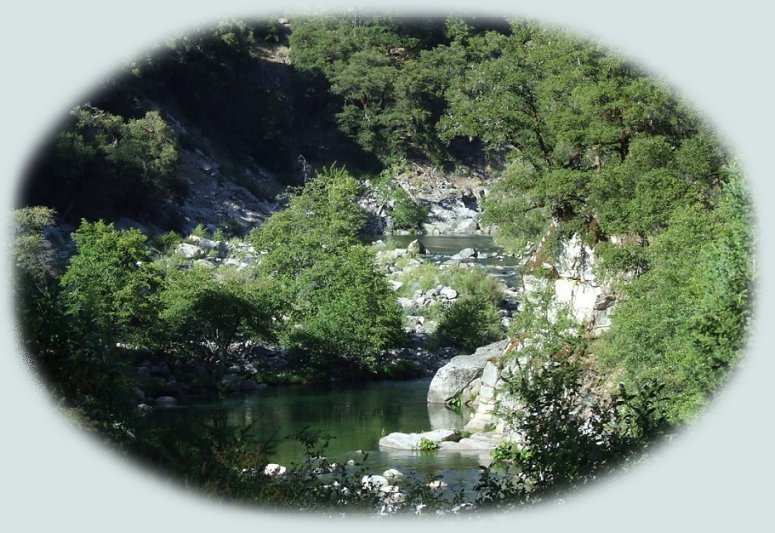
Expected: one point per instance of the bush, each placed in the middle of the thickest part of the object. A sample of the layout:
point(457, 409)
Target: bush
point(344, 311)
point(428, 445)
point(468, 323)
point(205, 314)
point(407, 213)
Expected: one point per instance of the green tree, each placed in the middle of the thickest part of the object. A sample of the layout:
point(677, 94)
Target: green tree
point(103, 165)
point(109, 287)
point(35, 279)
point(407, 213)
point(684, 321)
point(205, 313)
point(468, 323)
point(344, 311)
point(323, 218)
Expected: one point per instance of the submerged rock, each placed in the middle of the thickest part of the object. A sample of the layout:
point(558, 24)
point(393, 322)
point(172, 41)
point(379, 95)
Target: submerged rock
point(374, 482)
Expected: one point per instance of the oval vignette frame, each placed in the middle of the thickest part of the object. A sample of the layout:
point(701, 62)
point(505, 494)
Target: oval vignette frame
point(681, 464)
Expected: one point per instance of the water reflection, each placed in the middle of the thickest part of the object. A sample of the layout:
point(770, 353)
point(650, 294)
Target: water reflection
point(356, 415)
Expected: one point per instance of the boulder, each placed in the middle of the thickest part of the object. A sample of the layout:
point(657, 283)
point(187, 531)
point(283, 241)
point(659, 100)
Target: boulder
point(189, 251)
point(466, 253)
point(392, 475)
point(138, 394)
point(475, 443)
point(411, 441)
point(448, 292)
point(416, 247)
point(576, 260)
point(374, 482)
point(274, 470)
point(166, 401)
point(453, 377)
point(207, 245)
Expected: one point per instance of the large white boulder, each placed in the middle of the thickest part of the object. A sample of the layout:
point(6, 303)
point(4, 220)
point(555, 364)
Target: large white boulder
point(453, 377)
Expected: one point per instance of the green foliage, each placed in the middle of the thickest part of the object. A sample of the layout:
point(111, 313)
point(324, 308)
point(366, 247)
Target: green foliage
point(322, 218)
point(104, 164)
point(344, 311)
point(407, 213)
point(428, 445)
point(214, 79)
point(35, 287)
point(202, 312)
point(34, 255)
point(199, 231)
point(109, 286)
point(341, 307)
point(470, 322)
point(684, 321)
point(519, 211)
point(165, 243)
point(506, 453)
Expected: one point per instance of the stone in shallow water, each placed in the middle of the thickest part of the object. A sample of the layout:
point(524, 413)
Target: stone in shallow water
point(411, 441)
point(392, 475)
point(166, 401)
point(374, 482)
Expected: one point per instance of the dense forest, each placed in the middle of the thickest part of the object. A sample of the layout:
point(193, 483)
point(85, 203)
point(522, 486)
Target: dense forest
point(573, 142)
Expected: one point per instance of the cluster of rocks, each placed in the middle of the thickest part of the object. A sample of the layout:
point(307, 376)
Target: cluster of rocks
point(389, 485)
point(162, 383)
point(209, 253)
point(449, 440)
point(215, 197)
point(420, 299)
point(416, 305)
point(479, 381)
point(453, 203)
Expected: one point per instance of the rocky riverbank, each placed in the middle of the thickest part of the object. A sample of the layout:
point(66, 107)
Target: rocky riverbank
point(479, 381)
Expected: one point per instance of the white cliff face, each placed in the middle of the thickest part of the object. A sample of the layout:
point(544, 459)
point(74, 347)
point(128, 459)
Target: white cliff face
point(588, 299)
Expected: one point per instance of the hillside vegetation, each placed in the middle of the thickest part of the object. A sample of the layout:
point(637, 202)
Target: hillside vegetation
point(569, 138)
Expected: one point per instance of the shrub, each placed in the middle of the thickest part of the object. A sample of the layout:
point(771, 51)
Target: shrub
point(407, 213)
point(469, 323)
point(428, 445)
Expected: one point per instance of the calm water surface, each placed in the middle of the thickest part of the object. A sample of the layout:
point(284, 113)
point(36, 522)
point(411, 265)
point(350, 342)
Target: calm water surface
point(356, 415)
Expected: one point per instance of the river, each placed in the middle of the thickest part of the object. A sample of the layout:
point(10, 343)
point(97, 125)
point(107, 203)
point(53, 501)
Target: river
point(442, 247)
point(356, 415)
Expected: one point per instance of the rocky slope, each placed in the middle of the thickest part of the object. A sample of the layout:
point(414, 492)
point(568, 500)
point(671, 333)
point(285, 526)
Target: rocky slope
point(453, 202)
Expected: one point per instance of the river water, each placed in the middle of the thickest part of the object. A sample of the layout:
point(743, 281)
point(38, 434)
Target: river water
point(356, 415)
point(442, 247)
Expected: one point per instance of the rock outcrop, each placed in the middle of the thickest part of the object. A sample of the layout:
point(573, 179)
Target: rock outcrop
point(453, 206)
point(480, 381)
point(454, 377)
point(575, 286)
